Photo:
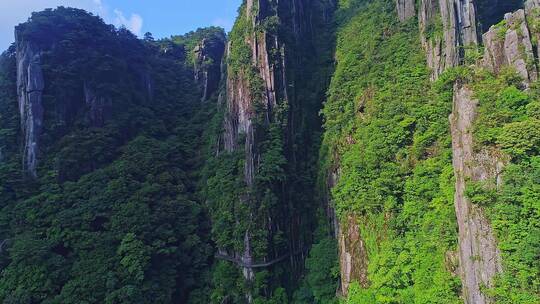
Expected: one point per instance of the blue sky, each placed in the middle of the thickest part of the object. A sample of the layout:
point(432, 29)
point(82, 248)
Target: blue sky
point(160, 17)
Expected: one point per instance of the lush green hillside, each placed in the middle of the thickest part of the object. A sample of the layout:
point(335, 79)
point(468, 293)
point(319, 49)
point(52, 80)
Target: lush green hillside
point(387, 129)
point(387, 132)
point(114, 216)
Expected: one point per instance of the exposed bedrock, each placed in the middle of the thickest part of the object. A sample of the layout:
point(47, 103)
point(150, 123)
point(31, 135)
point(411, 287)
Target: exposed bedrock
point(207, 70)
point(30, 85)
point(479, 257)
point(353, 258)
point(240, 114)
point(447, 28)
point(510, 44)
point(406, 9)
point(99, 107)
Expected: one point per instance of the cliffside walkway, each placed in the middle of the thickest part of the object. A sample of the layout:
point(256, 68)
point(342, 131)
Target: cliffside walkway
point(241, 263)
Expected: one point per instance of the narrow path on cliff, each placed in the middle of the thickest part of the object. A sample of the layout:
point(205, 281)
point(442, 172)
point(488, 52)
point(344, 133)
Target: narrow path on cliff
point(241, 263)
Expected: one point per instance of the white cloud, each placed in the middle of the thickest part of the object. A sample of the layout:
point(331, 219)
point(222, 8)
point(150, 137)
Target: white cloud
point(134, 23)
point(99, 6)
point(13, 12)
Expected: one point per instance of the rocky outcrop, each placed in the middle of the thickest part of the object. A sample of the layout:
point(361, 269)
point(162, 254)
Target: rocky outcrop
point(509, 44)
point(430, 24)
point(353, 259)
point(405, 9)
point(30, 85)
point(448, 28)
point(239, 121)
point(465, 13)
point(208, 54)
point(479, 257)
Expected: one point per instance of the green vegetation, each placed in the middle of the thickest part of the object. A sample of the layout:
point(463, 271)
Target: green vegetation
point(190, 40)
point(507, 123)
point(138, 201)
point(114, 216)
point(387, 131)
point(278, 210)
point(322, 270)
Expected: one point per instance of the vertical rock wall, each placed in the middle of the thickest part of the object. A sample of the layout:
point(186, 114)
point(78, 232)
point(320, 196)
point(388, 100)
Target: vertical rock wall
point(99, 107)
point(405, 9)
point(30, 87)
point(353, 259)
point(207, 69)
point(479, 257)
point(447, 28)
point(277, 34)
point(507, 44)
point(241, 103)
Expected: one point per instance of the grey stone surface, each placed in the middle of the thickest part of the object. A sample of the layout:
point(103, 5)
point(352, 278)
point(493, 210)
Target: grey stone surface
point(510, 44)
point(30, 85)
point(479, 257)
point(458, 21)
point(405, 9)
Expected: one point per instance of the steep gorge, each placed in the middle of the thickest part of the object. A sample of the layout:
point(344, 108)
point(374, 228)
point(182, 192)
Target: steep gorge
point(355, 151)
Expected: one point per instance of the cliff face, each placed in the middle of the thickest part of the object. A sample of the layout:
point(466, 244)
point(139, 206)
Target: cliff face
point(510, 44)
point(353, 255)
point(447, 28)
point(405, 9)
point(242, 99)
point(266, 117)
point(111, 132)
point(506, 45)
point(207, 69)
point(30, 85)
point(479, 256)
point(400, 148)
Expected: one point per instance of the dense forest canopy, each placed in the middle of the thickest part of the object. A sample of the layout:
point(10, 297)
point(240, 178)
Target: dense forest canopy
point(113, 216)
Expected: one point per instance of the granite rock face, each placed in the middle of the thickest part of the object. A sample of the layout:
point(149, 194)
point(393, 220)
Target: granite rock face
point(30, 85)
point(406, 9)
point(207, 70)
point(255, 89)
point(353, 258)
point(430, 22)
point(510, 44)
point(99, 107)
point(507, 44)
point(447, 28)
point(241, 101)
point(479, 257)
